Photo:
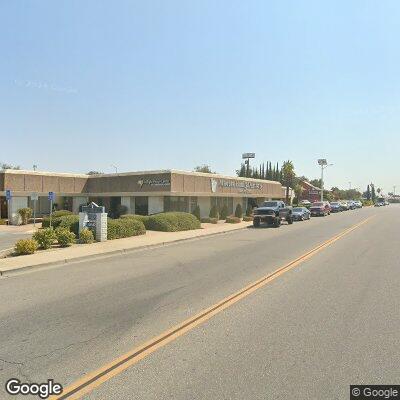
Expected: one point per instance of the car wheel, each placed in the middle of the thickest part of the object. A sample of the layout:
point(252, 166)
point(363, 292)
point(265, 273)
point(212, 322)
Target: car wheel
point(256, 222)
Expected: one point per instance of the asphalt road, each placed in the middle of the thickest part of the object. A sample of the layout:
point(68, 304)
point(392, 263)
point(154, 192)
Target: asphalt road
point(330, 322)
point(7, 239)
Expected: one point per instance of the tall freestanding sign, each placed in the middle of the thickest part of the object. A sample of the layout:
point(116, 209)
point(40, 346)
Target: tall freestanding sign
point(94, 217)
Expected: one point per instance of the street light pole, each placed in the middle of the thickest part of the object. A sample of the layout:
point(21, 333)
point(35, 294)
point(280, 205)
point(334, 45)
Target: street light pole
point(324, 164)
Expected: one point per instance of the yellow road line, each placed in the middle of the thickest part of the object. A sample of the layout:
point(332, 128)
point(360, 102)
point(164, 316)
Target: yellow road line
point(90, 381)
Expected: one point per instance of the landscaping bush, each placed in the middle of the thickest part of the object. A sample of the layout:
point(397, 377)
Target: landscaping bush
point(208, 220)
point(172, 222)
point(233, 220)
point(25, 214)
point(61, 213)
point(249, 211)
point(239, 211)
point(196, 212)
point(248, 218)
point(70, 222)
point(142, 218)
point(45, 237)
point(54, 222)
point(86, 236)
point(224, 212)
point(124, 227)
point(214, 212)
point(25, 246)
point(65, 238)
point(3, 221)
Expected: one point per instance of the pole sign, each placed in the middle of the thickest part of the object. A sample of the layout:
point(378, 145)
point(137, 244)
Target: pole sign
point(34, 197)
point(8, 195)
point(248, 155)
point(52, 196)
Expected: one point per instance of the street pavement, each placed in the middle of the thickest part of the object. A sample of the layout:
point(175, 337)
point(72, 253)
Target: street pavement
point(7, 239)
point(330, 322)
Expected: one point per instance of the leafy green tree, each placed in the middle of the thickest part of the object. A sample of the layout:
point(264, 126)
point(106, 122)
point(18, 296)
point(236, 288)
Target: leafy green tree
point(204, 168)
point(224, 212)
point(196, 212)
point(288, 176)
point(214, 212)
point(368, 194)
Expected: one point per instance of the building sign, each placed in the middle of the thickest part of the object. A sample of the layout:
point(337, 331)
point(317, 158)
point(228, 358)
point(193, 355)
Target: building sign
point(52, 196)
point(8, 195)
point(94, 217)
point(313, 191)
point(242, 186)
point(154, 182)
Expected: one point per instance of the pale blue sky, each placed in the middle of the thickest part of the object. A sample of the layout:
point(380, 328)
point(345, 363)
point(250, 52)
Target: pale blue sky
point(173, 84)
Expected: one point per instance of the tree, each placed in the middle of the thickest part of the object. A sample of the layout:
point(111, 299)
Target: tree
point(204, 168)
point(316, 182)
point(368, 194)
point(288, 176)
point(196, 212)
point(373, 195)
point(379, 190)
point(239, 211)
point(95, 173)
point(298, 191)
point(224, 212)
point(9, 166)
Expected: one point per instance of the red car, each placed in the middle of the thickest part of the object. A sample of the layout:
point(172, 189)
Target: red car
point(322, 208)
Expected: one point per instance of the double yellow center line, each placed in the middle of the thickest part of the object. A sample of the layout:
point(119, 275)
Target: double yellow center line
point(92, 380)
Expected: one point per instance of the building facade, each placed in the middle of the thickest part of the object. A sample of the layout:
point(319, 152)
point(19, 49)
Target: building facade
point(145, 192)
point(310, 192)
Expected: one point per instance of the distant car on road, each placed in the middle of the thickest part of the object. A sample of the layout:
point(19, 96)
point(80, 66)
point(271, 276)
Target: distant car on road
point(321, 208)
point(379, 204)
point(336, 207)
point(344, 205)
point(358, 204)
point(301, 213)
point(272, 213)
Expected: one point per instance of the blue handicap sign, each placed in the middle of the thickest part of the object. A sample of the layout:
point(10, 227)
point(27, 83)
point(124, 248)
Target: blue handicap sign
point(8, 194)
point(52, 196)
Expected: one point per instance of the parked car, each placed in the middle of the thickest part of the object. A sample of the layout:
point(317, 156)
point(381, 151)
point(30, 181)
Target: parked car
point(301, 213)
point(358, 204)
point(344, 205)
point(351, 204)
point(272, 213)
point(336, 206)
point(305, 203)
point(379, 204)
point(321, 208)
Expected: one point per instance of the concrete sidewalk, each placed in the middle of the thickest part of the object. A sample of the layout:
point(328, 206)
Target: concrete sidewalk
point(59, 256)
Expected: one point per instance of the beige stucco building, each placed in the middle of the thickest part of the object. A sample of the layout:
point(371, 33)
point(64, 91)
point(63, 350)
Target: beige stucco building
point(143, 192)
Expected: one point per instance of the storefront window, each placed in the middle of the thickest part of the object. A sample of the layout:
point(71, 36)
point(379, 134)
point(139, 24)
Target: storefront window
point(176, 203)
point(221, 201)
point(142, 205)
point(193, 203)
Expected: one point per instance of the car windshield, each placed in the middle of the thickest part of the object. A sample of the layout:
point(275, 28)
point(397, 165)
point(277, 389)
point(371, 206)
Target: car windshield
point(334, 204)
point(270, 204)
point(318, 204)
point(298, 209)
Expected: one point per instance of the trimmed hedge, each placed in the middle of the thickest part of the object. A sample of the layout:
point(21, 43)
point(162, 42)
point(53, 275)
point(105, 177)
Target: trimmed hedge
point(86, 236)
point(124, 227)
point(25, 246)
point(3, 221)
point(61, 213)
point(65, 238)
point(248, 218)
point(224, 212)
point(142, 218)
point(214, 212)
point(209, 220)
point(45, 237)
point(172, 222)
point(69, 221)
point(233, 220)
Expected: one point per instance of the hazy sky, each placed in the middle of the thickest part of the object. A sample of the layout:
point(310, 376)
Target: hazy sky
point(173, 84)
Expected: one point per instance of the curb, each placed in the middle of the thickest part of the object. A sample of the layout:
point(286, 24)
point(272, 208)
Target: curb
point(16, 271)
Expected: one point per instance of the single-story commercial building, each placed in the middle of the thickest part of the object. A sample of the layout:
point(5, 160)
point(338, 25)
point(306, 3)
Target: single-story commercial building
point(144, 192)
point(310, 192)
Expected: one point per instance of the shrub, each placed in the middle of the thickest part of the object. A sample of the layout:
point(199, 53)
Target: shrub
point(86, 236)
point(61, 213)
point(70, 222)
point(224, 212)
point(54, 222)
point(124, 227)
point(26, 246)
point(25, 214)
point(249, 210)
point(214, 212)
point(172, 222)
point(233, 220)
point(208, 220)
point(196, 212)
point(3, 221)
point(238, 211)
point(65, 238)
point(45, 237)
point(248, 218)
point(142, 218)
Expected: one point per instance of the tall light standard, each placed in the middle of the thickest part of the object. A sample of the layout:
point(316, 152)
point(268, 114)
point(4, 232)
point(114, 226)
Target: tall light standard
point(246, 157)
point(116, 169)
point(324, 164)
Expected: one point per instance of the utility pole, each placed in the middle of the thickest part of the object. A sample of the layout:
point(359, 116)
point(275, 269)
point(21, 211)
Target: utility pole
point(324, 164)
point(246, 157)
